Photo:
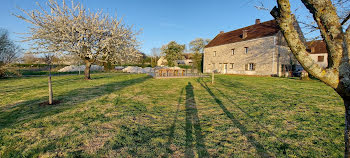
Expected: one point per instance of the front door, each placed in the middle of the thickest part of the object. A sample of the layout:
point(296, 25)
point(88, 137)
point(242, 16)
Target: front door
point(225, 68)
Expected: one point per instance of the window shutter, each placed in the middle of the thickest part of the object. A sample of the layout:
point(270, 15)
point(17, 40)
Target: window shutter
point(320, 58)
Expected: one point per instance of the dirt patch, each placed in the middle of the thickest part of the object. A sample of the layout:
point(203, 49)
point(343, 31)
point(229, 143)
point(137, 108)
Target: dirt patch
point(46, 103)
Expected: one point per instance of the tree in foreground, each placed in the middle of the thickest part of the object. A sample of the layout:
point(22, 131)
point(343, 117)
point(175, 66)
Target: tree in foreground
point(173, 52)
point(72, 28)
point(337, 74)
point(197, 47)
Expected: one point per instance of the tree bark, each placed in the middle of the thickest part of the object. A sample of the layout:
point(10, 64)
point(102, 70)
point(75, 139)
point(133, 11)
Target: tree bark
point(337, 75)
point(87, 70)
point(285, 20)
point(328, 21)
point(347, 127)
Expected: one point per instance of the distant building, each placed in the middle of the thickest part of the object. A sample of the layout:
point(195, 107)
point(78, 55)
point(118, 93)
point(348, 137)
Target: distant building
point(162, 61)
point(186, 60)
point(318, 52)
point(259, 49)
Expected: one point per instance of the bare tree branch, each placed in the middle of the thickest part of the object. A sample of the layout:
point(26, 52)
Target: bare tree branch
point(286, 21)
point(327, 20)
point(346, 19)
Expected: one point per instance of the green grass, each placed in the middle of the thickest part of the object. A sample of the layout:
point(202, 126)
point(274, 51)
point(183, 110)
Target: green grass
point(119, 115)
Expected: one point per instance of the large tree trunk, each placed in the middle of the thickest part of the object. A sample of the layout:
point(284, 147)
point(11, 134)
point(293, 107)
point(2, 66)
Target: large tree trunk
point(337, 74)
point(347, 127)
point(87, 70)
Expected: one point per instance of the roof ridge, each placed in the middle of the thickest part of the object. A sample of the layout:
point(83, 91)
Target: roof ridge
point(249, 26)
point(259, 30)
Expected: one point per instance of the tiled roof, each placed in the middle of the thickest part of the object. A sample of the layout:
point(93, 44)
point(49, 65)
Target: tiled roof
point(319, 47)
point(264, 29)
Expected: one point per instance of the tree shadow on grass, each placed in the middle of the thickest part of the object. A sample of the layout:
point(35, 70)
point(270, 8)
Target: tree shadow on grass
point(29, 110)
point(173, 125)
point(284, 144)
point(38, 85)
point(259, 147)
point(192, 122)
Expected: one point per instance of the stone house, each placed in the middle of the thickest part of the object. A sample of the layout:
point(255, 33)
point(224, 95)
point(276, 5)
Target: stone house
point(259, 49)
point(162, 61)
point(318, 52)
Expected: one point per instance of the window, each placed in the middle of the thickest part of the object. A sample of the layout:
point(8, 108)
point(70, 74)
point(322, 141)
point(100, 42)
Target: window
point(320, 58)
point(250, 66)
point(231, 65)
point(246, 50)
point(232, 51)
point(214, 53)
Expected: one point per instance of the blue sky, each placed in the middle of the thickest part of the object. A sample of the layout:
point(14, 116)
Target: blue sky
point(161, 21)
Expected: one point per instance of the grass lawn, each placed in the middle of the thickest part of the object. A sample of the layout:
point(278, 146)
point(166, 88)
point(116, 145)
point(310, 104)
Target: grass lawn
point(118, 115)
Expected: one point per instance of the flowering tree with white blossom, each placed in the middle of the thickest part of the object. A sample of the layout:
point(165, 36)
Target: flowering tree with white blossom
point(93, 36)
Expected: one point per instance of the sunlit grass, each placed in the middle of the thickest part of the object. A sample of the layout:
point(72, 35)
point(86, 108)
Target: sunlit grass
point(137, 116)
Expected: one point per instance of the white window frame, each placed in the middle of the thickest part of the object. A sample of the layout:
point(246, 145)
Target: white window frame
point(232, 52)
point(251, 67)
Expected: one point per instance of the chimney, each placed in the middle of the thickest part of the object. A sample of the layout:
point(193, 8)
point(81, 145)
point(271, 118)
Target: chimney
point(222, 32)
point(257, 21)
point(245, 34)
point(312, 49)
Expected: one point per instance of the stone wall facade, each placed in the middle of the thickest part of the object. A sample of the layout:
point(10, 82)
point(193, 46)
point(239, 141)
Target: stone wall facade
point(317, 57)
point(261, 56)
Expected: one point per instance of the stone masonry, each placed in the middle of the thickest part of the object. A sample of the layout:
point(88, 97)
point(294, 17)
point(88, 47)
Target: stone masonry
point(264, 54)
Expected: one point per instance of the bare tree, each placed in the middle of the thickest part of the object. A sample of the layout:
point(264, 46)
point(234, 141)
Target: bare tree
point(337, 74)
point(8, 50)
point(155, 56)
point(75, 29)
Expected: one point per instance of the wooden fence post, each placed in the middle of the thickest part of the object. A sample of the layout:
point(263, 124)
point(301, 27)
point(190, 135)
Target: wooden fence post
point(212, 78)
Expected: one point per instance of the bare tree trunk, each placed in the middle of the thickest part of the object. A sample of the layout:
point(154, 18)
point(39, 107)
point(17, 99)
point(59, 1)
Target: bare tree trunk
point(347, 127)
point(87, 70)
point(50, 87)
